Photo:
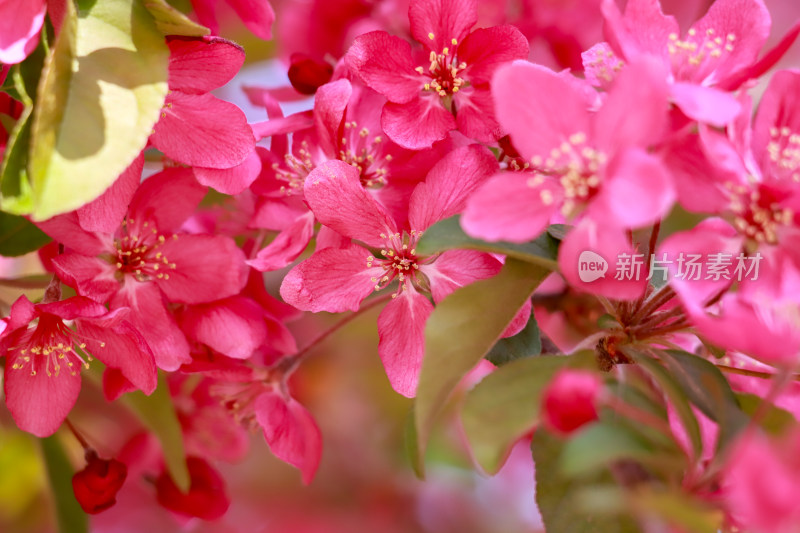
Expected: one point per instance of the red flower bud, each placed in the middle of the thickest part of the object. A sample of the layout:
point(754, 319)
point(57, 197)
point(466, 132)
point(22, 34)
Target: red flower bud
point(570, 400)
point(307, 74)
point(96, 486)
point(206, 498)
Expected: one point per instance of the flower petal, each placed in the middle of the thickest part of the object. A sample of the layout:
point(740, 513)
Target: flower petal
point(384, 62)
point(197, 66)
point(40, 403)
point(456, 268)
point(418, 123)
point(435, 23)
point(233, 326)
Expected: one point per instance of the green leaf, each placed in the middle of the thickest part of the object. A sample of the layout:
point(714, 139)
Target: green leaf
point(562, 501)
point(170, 21)
point(599, 445)
point(158, 414)
point(462, 329)
point(672, 389)
point(679, 510)
point(14, 182)
point(559, 231)
point(99, 97)
point(410, 437)
point(775, 421)
point(708, 389)
point(18, 236)
point(524, 344)
point(71, 518)
point(505, 405)
point(448, 235)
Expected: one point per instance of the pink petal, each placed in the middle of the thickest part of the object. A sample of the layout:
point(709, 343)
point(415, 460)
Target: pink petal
point(208, 267)
point(150, 318)
point(257, 15)
point(333, 280)
point(485, 49)
point(417, 124)
point(644, 29)
point(40, 403)
point(748, 21)
point(448, 185)
point(167, 199)
point(508, 206)
point(455, 268)
point(122, 347)
point(90, 276)
point(20, 23)
point(290, 432)
point(384, 62)
point(115, 384)
point(76, 307)
point(233, 326)
point(202, 130)
point(601, 65)
point(435, 23)
point(638, 190)
point(279, 126)
point(287, 246)
point(401, 345)
point(711, 236)
point(200, 65)
point(779, 108)
point(609, 243)
point(642, 86)
point(66, 229)
point(231, 180)
point(705, 104)
point(475, 115)
point(334, 193)
point(329, 108)
point(524, 94)
point(105, 214)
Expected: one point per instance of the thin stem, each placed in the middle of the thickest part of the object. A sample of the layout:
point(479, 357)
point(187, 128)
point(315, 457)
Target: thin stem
point(290, 364)
point(78, 436)
point(657, 300)
point(751, 373)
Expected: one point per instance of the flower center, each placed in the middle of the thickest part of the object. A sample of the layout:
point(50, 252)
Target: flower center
point(444, 72)
point(784, 154)
point(137, 252)
point(47, 347)
point(758, 213)
point(699, 52)
point(399, 260)
point(577, 168)
point(365, 154)
point(295, 170)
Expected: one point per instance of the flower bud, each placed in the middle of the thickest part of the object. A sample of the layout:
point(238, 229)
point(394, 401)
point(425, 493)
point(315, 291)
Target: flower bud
point(96, 486)
point(570, 400)
point(206, 498)
point(307, 74)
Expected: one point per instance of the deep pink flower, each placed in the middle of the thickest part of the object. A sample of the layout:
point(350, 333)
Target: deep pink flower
point(198, 129)
point(207, 497)
point(96, 486)
point(338, 279)
point(142, 262)
point(570, 400)
point(20, 24)
point(257, 15)
point(44, 357)
point(446, 89)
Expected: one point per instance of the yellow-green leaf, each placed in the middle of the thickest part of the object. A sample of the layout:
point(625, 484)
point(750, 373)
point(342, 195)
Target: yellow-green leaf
point(505, 405)
point(99, 97)
point(170, 21)
point(462, 329)
point(71, 518)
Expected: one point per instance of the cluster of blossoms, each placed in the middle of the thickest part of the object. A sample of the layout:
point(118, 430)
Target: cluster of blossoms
point(419, 121)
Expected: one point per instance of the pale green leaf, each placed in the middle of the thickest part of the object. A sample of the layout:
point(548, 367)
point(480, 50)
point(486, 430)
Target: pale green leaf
point(71, 518)
point(505, 405)
point(526, 343)
point(100, 95)
point(462, 329)
point(170, 21)
point(448, 235)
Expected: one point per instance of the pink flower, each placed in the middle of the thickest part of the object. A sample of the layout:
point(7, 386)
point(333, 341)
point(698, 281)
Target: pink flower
point(197, 128)
point(338, 279)
point(44, 357)
point(761, 483)
point(570, 400)
point(257, 15)
point(452, 90)
point(140, 262)
point(717, 54)
point(20, 24)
